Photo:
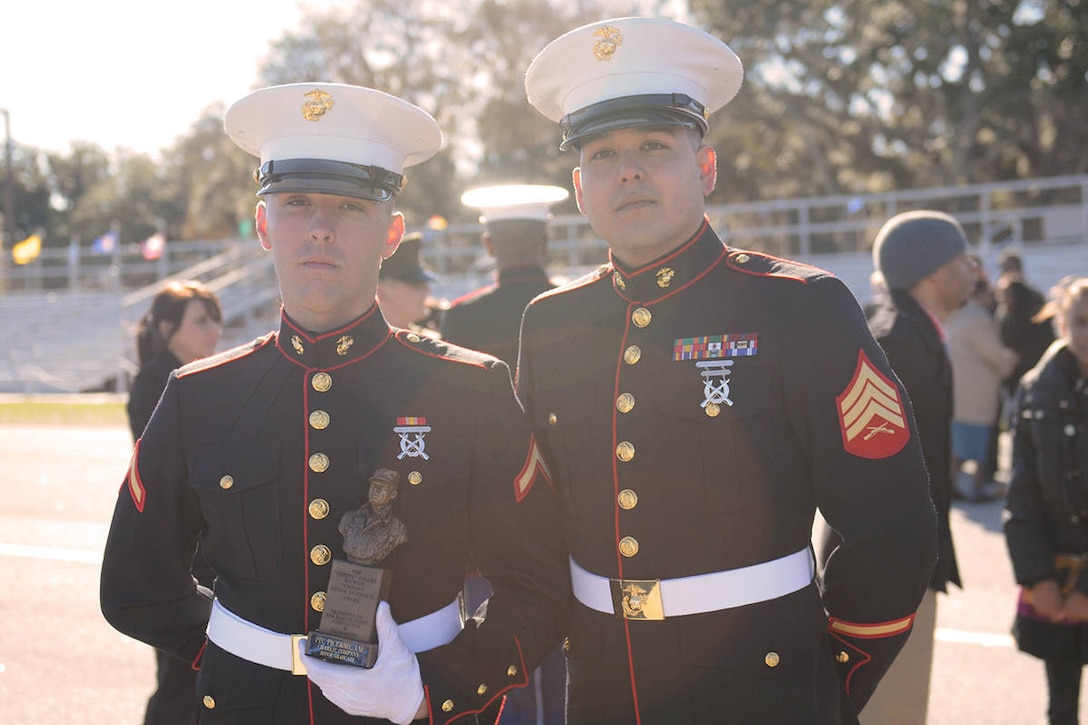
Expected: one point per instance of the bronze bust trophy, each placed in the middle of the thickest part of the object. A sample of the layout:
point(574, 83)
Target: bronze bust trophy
point(348, 629)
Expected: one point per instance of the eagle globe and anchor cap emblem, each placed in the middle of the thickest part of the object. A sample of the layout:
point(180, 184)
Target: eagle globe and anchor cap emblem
point(609, 42)
point(319, 104)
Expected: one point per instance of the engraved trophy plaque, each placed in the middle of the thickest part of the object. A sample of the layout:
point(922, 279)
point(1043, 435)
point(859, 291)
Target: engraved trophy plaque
point(348, 630)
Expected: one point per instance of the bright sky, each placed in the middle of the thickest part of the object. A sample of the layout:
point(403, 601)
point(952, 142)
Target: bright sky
point(130, 73)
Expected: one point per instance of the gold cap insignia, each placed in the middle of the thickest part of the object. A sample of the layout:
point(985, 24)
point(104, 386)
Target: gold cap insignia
point(343, 343)
point(319, 104)
point(609, 43)
point(664, 277)
point(296, 342)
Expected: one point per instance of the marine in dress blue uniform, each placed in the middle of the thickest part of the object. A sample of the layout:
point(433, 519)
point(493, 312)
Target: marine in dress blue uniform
point(256, 454)
point(516, 235)
point(697, 408)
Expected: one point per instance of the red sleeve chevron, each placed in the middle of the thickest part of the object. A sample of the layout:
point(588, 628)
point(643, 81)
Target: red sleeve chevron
point(534, 464)
point(871, 415)
point(133, 483)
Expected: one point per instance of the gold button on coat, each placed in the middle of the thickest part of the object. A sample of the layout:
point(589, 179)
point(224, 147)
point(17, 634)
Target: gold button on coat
point(319, 508)
point(226, 482)
point(415, 478)
point(319, 420)
point(320, 555)
point(641, 317)
point(625, 451)
point(842, 657)
point(712, 410)
point(512, 671)
point(628, 546)
point(627, 499)
point(625, 403)
point(321, 382)
point(482, 689)
point(447, 706)
point(632, 354)
point(552, 418)
point(772, 659)
point(319, 462)
point(317, 601)
point(209, 702)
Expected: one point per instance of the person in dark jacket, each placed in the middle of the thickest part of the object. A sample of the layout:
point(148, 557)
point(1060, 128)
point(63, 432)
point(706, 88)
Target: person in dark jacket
point(256, 453)
point(698, 404)
point(515, 218)
point(516, 235)
point(922, 258)
point(1046, 527)
point(183, 324)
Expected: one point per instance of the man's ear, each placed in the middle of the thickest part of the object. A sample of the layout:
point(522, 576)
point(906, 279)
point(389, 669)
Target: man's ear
point(395, 234)
point(261, 225)
point(576, 176)
point(707, 158)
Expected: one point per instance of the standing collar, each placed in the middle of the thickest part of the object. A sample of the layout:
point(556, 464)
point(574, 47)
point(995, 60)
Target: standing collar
point(336, 348)
point(670, 273)
point(914, 309)
point(521, 274)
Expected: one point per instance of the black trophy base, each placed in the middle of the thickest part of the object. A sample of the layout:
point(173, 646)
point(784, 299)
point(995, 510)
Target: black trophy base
point(341, 650)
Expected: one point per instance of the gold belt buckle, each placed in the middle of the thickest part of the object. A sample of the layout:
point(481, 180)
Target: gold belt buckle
point(298, 667)
point(637, 598)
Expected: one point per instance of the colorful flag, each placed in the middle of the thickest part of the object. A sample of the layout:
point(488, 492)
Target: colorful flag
point(153, 246)
point(27, 250)
point(105, 244)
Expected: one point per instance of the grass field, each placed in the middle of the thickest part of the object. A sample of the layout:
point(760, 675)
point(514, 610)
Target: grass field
point(56, 412)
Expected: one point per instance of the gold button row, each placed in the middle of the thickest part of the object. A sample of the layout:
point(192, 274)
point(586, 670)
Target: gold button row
point(628, 546)
point(319, 463)
point(319, 420)
point(321, 555)
point(318, 508)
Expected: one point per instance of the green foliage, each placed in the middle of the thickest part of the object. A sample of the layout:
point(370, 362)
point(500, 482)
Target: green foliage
point(840, 96)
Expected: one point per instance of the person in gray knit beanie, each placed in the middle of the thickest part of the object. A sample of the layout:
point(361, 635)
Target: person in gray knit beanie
point(915, 244)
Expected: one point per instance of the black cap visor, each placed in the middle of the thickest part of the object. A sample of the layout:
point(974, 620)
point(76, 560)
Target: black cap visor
point(659, 109)
point(322, 176)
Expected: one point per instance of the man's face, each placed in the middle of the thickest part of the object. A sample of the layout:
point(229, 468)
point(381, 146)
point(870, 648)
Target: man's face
point(403, 302)
point(643, 189)
point(380, 493)
point(326, 250)
point(1076, 327)
point(956, 281)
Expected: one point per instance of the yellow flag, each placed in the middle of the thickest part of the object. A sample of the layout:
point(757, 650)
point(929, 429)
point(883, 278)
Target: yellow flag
point(27, 250)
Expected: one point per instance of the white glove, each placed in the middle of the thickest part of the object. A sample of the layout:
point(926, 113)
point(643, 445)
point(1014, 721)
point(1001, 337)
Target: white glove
point(392, 689)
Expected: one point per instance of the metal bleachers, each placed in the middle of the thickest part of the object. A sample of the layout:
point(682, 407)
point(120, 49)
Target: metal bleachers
point(68, 318)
